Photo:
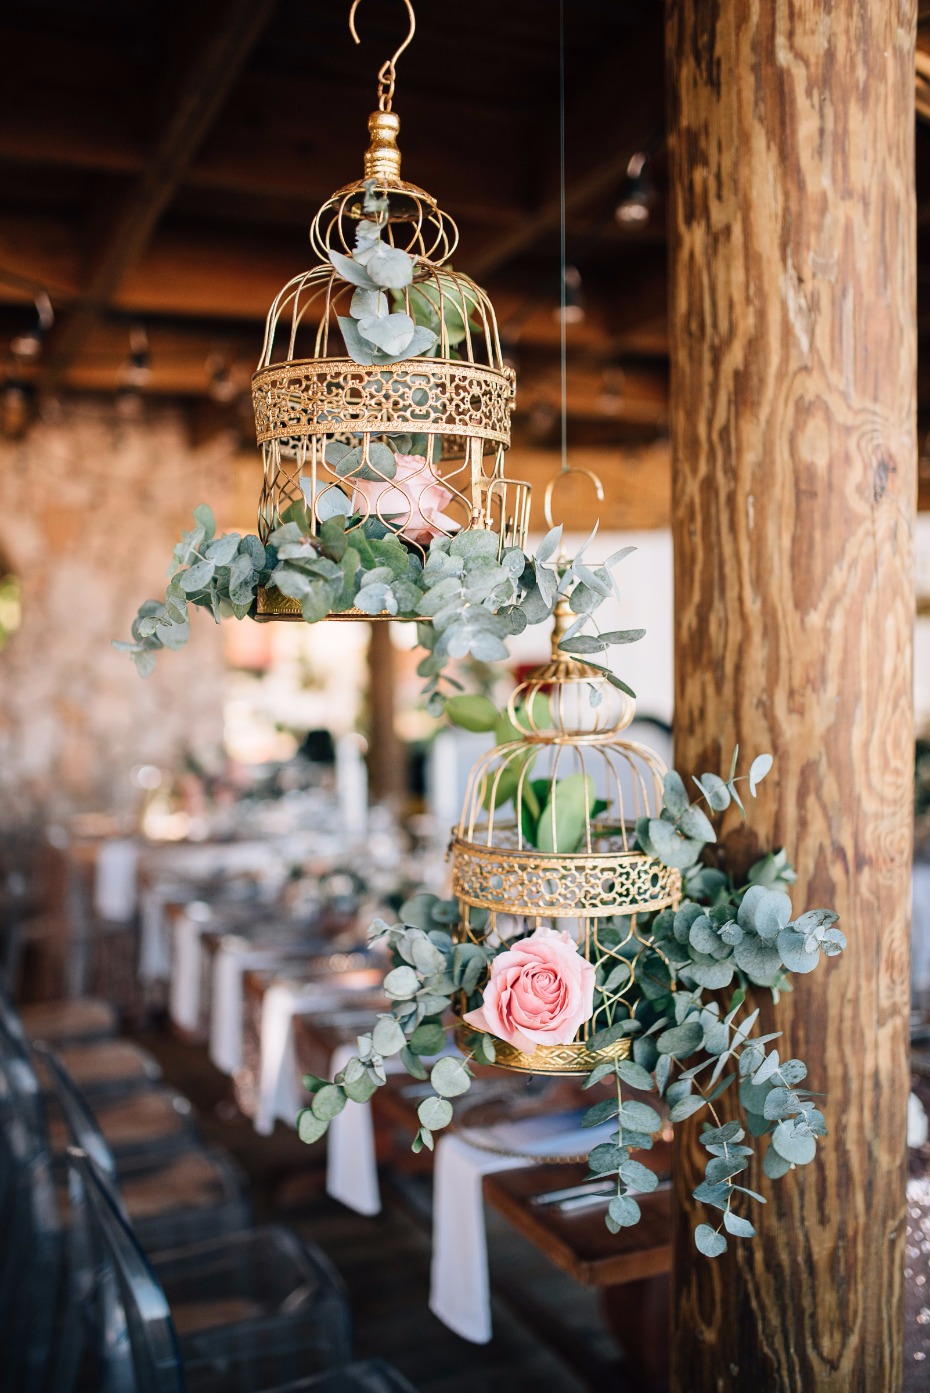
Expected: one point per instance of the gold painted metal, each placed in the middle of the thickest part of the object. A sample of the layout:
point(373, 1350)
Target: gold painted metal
point(272, 605)
point(309, 397)
point(602, 891)
point(545, 1059)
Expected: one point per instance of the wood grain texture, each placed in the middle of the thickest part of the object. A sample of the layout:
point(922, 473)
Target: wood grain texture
point(793, 442)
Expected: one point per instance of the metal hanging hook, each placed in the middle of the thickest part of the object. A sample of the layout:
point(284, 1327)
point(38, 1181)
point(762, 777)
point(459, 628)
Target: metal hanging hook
point(386, 73)
point(564, 474)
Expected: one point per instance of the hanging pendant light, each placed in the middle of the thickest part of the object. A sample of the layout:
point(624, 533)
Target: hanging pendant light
point(382, 395)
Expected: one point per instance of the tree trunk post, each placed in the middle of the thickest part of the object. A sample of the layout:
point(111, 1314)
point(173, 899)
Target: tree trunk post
point(793, 348)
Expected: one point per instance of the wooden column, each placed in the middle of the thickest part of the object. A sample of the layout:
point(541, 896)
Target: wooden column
point(793, 342)
point(387, 755)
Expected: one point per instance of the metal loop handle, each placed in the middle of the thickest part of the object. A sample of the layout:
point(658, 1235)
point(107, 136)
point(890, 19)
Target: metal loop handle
point(563, 474)
point(387, 73)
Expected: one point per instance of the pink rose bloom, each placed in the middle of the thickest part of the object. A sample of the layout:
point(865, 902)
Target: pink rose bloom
point(539, 992)
point(415, 497)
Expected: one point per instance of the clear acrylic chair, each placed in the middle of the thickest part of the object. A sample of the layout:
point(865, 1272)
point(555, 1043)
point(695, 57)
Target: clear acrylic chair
point(189, 1194)
point(273, 1308)
point(31, 1247)
point(367, 1376)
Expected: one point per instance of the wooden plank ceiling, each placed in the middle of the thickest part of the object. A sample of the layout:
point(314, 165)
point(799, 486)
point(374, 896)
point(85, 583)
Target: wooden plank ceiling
point(160, 164)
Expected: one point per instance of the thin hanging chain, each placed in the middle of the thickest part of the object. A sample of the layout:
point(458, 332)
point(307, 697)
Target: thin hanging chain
point(386, 80)
point(563, 291)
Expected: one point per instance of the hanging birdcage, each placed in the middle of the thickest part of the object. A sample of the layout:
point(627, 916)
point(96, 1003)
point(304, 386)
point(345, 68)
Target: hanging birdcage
point(411, 441)
point(547, 839)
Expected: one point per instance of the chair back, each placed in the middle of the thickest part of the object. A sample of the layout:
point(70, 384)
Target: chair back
point(31, 1252)
point(80, 1121)
point(124, 1340)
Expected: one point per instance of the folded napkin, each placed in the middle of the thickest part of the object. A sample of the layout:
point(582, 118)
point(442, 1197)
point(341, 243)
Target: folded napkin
point(115, 880)
point(232, 959)
point(351, 1165)
point(154, 946)
point(184, 995)
point(460, 1292)
point(920, 929)
point(460, 1286)
point(278, 1088)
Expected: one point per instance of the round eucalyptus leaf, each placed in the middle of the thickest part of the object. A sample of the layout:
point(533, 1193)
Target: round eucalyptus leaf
point(450, 1077)
point(435, 1113)
point(799, 1150)
point(310, 1127)
point(328, 1102)
point(709, 1242)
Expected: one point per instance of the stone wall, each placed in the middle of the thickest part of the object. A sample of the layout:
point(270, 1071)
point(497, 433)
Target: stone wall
point(90, 507)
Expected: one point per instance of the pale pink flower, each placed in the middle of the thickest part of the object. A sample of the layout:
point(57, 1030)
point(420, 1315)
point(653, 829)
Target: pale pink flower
point(412, 501)
point(540, 991)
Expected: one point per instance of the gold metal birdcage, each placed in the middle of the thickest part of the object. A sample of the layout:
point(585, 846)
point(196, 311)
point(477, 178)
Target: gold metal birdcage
point(547, 837)
point(446, 415)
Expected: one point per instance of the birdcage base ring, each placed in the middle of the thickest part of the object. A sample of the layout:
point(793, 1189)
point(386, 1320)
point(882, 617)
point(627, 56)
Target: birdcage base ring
point(574, 1058)
point(271, 606)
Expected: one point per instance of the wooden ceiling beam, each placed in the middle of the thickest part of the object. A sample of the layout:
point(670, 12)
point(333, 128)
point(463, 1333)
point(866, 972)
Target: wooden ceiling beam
point(195, 101)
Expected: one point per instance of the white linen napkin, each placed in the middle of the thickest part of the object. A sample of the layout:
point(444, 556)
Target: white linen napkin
point(351, 1164)
point(184, 995)
point(278, 1091)
point(920, 930)
point(460, 1292)
point(460, 1286)
point(115, 880)
point(154, 946)
point(232, 959)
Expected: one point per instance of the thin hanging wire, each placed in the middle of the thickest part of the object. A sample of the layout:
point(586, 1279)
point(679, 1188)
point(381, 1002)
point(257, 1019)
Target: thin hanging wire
point(563, 288)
